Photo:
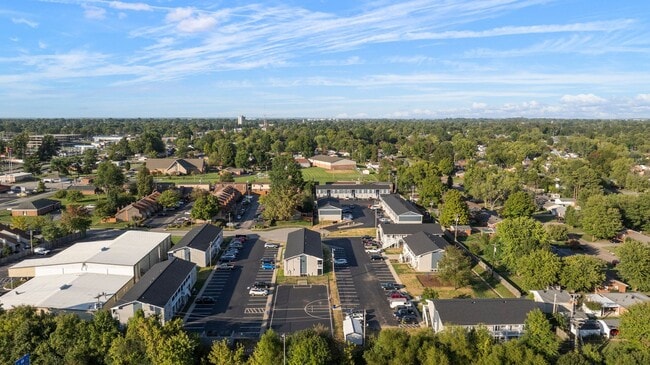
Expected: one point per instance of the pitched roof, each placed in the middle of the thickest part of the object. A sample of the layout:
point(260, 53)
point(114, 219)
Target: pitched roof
point(399, 205)
point(421, 243)
point(166, 163)
point(326, 158)
point(552, 295)
point(159, 283)
point(303, 241)
point(83, 187)
point(37, 204)
point(468, 312)
point(329, 203)
point(378, 185)
point(432, 228)
point(199, 237)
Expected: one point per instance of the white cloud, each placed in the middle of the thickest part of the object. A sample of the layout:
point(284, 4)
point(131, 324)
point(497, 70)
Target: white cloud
point(14, 39)
point(130, 6)
point(583, 99)
point(200, 23)
point(42, 45)
point(643, 98)
point(93, 12)
point(179, 14)
point(479, 105)
point(29, 23)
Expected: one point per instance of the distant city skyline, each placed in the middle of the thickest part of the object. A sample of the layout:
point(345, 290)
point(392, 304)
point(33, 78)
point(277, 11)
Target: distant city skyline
point(325, 59)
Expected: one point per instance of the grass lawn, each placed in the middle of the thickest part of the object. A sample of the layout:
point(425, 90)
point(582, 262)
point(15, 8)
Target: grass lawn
point(322, 176)
point(353, 232)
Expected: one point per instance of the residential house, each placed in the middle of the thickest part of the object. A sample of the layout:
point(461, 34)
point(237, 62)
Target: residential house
point(503, 318)
point(612, 304)
point(261, 188)
point(35, 207)
point(399, 210)
point(332, 162)
point(612, 286)
point(303, 162)
point(176, 166)
point(162, 291)
point(392, 235)
point(553, 301)
point(84, 189)
point(12, 237)
point(241, 187)
point(329, 209)
point(142, 209)
point(199, 245)
point(235, 171)
point(227, 197)
point(303, 255)
point(423, 251)
point(353, 191)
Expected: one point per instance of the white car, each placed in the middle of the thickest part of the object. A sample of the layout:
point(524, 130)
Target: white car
point(374, 250)
point(41, 251)
point(271, 245)
point(258, 292)
point(340, 262)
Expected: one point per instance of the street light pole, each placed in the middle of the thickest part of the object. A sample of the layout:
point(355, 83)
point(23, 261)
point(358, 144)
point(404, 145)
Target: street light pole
point(284, 349)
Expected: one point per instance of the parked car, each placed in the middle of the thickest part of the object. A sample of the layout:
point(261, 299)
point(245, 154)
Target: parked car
point(41, 251)
point(408, 319)
point(376, 257)
point(384, 220)
point(396, 302)
point(258, 291)
point(374, 250)
point(388, 286)
point(403, 311)
point(268, 266)
point(396, 294)
point(225, 266)
point(204, 300)
point(262, 285)
point(267, 260)
point(236, 245)
point(356, 314)
point(340, 262)
point(271, 245)
point(228, 257)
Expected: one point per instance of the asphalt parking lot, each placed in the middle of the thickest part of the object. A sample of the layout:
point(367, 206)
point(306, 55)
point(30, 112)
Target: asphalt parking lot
point(299, 307)
point(235, 312)
point(359, 282)
point(362, 216)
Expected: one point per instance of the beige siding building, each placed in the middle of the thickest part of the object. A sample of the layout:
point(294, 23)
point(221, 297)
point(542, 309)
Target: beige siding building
point(332, 162)
point(303, 255)
point(199, 245)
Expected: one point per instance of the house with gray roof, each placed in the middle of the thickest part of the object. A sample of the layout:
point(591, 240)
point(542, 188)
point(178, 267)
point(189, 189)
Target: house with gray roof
point(303, 255)
point(553, 301)
point(35, 207)
point(392, 235)
point(332, 162)
point(176, 166)
point(329, 209)
point(353, 191)
point(199, 245)
point(423, 251)
point(399, 210)
point(163, 291)
point(503, 318)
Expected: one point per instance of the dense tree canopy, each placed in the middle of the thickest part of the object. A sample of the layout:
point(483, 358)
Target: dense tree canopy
point(519, 237)
point(634, 265)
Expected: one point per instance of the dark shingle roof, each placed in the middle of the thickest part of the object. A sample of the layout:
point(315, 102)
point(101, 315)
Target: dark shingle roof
point(378, 185)
point(199, 237)
point(421, 243)
point(303, 241)
point(322, 203)
point(326, 158)
point(399, 205)
point(432, 228)
point(37, 204)
point(466, 312)
point(159, 283)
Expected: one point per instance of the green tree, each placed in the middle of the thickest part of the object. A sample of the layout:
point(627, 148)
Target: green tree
point(169, 198)
point(74, 196)
point(572, 217)
point(453, 207)
point(599, 218)
point(429, 293)
point(308, 348)
point(226, 176)
point(241, 158)
point(20, 222)
point(75, 218)
point(268, 350)
point(144, 181)
point(635, 326)
point(634, 267)
point(32, 164)
point(19, 145)
point(226, 152)
point(519, 204)
point(512, 353)
point(109, 177)
point(557, 232)
point(205, 207)
point(582, 273)
point(52, 231)
point(286, 189)
point(40, 187)
point(222, 354)
point(455, 267)
point(539, 335)
point(539, 269)
point(49, 147)
point(519, 237)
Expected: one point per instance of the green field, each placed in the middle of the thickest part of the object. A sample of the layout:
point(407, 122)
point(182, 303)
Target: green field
point(317, 174)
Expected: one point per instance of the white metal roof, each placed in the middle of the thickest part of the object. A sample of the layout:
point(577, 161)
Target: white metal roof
point(127, 249)
point(70, 291)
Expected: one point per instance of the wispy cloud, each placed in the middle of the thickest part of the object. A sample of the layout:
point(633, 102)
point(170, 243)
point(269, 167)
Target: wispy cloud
point(93, 12)
point(583, 99)
point(29, 23)
point(130, 6)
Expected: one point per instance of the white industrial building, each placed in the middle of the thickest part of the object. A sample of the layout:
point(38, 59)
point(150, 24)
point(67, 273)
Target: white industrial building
point(88, 275)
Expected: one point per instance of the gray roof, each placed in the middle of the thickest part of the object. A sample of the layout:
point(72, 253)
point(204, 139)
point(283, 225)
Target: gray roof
point(37, 204)
point(469, 312)
point(399, 205)
point(379, 185)
point(199, 237)
point(158, 284)
point(421, 243)
point(303, 241)
point(326, 158)
point(432, 228)
point(329, 203)
point(552, 295)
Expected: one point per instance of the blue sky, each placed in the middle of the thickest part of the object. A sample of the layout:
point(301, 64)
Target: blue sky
point(325, 59)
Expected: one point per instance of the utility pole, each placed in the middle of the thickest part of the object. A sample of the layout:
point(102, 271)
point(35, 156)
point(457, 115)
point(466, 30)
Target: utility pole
point(284, 349)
